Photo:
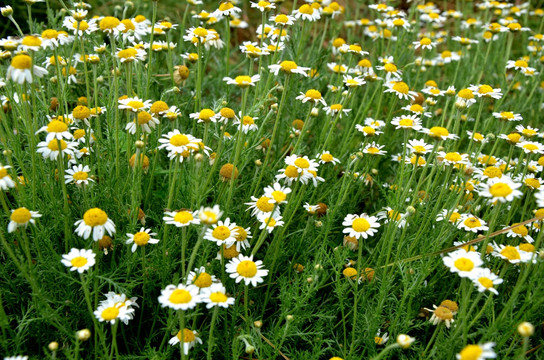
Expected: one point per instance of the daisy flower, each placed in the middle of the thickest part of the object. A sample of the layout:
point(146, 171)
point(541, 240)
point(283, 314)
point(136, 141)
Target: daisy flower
point(177, 143)
point(190, 338)
point(134, 104)
point(78, 175)
point(243, 268)
point(374, 149)
point(110, 311)
point(209, 215)
point(200, 278)
point(360, 225)
point(181, 218)
point(94, 221)
point(477, 352)
point(381, 339)
point(469, 222)
point(246, 123)
point(215, 295)
point(531, 147)
point(288, 67)
point(353, 82)
point(226, 8)
point(400, 89)
point(439, 133)
point(307, 12)
point(270, 221)
point(336, 109)
point(419, 147)
point(21, 69)
point(441, 314)
point(465, 98)
point(141, 238)
point(424, 43)
point(485, 91)
point(368, 130)
point(484, 279)
point(21, 217)
point(111, 25)
point(507, 116)
point(222, 233)
point(417, 110)
point(242, 81)
point(313, 96)
point(502, 189)
point(452, 158)
point(242, 237)
point(454, 216)
point(263, 205)
point(204, 116)
point(130, 54)
point(263, 5)
point(301, 163)
point(181, 297)
point(277, 193)
point(56, 129)
point(407, 122)
point(325, 158)
point(282, 20)
point(463, 263)
point(6, 181)
point(80, 260)
point(510, 253)
point(145, 120)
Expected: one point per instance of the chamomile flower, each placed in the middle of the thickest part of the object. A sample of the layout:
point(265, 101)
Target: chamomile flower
point(419, 147)
point(313, 96)
point(204, 116)
point(80, 260)
point(246, 123)
point(94, 221)
point(145, 120)
point(463, 263)
point(180, 297)
point(471, 223)
point(507, 116)
point(502, 189)
point(407, 122)
point(311, 209)
point(200, 278)
point(353, 82)
point(181, 218)
point(177, 143)
point(190, 338)
point(209, 215)
point(326, 157)
point(216, 295)
point(307, 12)
point(374, 149)
point(263, 5)
point(439, 133)
point(381, 339)
point(368, 130)
point(21, 217)
point(453, 158)
point(301, 163)
point(111, 25)
point(441, 314)
point(242, 81)
point(277, 193)
point(198, 35)
point(243, 268)
point(226, 8)
point(484, 279)
point(134, 104)
point(453, 218)
point(424, 43)
point(477, 352)
point(360, 225)
point(6, 181)
point(400, 89)
point(56, 129)
point(21, 69)
point(289, 67)
point(336, 109)
point(110, 311)
point(222, 233)
point(51, 149)
point(141, 238)
point(510, 253)
point(531, 147)
point(486, 91)
point(78, 175)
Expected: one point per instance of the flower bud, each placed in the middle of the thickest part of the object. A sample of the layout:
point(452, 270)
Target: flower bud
point(7, 11)
point(258, 324)
point(315, 112)
point(526, 329)
point(53, 346)
point(83, 335)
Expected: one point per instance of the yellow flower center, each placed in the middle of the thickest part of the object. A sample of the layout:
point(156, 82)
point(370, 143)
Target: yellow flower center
point(369, 130)
point(248, 120)
point(418, 149)
point(109, 23)
point(135, 104)
point(203, 280)
point(218, 297)
point(183, 217)
point(31, 41)
point(54, 145)
point(21, 216)
point(473, 222)
point(221, 232)
point(485, 89)
point(288, 66)
point(454, 217)
point(406, 122)
point(50, 34)
point(500, 190)
point(201, 32)
point(438, 132)
point(313, 94)
point(510, 252)
point(471, 352)
point(180, 296)
point(141, 238)
point(270, 221)
point(95, 217)
point(527, 247)
point(291, 171)
point(306, 9)
point(390, 67)
point(463, 264)
point(281, 19)
point(401, 87)
point(206, 114)
point(21, 62)
point(79, 261)
point(486, 282)
point(247, 268)
point(129, 53)
point(110, 313)
point(57, 126)
point(327, 157)
point(453, 157)
point(360, 225)
point(279, 196)
point(179, 140)
point(144, 117)
point(425, 41)
point(465, 94)
point(80, 175)
point(188, 336)
point(302, 163)
point(264, 205)
point(443, 313)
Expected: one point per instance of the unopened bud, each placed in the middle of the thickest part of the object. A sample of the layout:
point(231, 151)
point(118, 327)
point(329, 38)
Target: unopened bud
point(139, 144)
point(318, 224)
point(526, 329)
point(7, 11)
point(315, 112)
point(83, 335)
point(258, 162)
point(53, 346)
point(199, 157)
point(310, 280)
point(250, 349)
point(258, 324)
point(289, 317)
